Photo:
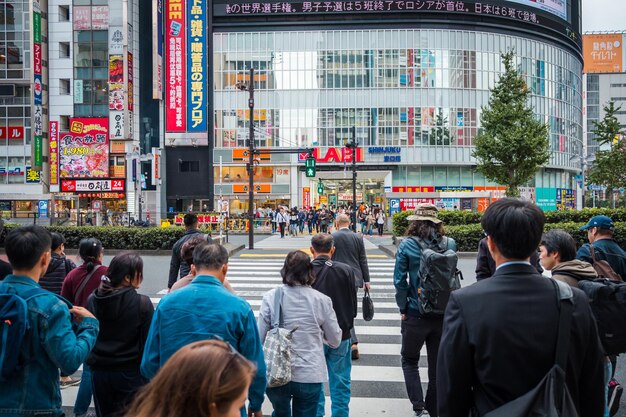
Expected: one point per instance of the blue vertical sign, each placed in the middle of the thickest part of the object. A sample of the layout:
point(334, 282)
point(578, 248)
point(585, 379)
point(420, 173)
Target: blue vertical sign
point(196, 66)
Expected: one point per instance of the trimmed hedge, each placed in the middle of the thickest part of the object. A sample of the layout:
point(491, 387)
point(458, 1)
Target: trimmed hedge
point(464, 218)
point(132, 238)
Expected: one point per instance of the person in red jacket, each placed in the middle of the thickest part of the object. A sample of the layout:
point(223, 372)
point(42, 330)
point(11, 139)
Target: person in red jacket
point(77, 287)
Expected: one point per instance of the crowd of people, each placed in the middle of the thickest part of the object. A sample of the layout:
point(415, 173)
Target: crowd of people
point(296, 221)
point(203, 353)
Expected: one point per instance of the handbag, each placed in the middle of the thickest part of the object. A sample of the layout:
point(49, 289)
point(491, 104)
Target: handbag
point(367, 306)
point(277, 347)
point(551, 397)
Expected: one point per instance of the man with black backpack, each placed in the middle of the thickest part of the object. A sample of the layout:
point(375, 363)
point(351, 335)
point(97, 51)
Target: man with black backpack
point(508, 338)
point(424, 275)
point(37, 330)
point(602, 246)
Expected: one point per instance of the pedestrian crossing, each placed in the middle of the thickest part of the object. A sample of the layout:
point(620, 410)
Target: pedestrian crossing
point(377, 381)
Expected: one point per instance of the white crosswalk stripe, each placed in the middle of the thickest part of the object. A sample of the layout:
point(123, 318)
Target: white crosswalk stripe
point(377, 376)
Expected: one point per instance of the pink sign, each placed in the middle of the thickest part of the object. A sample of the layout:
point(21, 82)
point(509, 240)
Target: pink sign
point(175, 71)
point(81, 17)
point(99, 17)
point(37, 58)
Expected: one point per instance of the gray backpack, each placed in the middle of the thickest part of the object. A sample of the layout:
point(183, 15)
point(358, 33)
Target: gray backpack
point(439, 276)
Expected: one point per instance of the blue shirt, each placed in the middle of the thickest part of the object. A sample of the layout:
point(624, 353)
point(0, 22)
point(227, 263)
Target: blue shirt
point(205, 310)
point(51, 345)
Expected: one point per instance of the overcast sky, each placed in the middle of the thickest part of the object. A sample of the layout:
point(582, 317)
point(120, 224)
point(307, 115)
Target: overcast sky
point(604, 15)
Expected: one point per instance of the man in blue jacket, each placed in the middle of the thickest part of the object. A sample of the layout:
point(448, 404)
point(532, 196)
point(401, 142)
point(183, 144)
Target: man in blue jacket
point(205, 310)
point(600, 230)
point(51, 344)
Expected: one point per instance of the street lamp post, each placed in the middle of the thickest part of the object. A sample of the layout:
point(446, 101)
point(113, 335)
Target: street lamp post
point(251, 152)
point(352, 144)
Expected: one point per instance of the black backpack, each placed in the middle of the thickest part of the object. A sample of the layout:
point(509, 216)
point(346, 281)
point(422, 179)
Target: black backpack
point(439, 276)
point(608, 304)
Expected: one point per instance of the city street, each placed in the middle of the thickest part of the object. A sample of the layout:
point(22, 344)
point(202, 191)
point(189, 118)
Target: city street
point(378, 384)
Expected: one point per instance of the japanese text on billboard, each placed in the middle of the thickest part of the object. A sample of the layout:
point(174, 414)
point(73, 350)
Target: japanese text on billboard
point(84, 151)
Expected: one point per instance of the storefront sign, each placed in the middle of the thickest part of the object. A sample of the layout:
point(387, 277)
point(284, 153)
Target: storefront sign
point(42, 208)
point(306, 197)
point(196, 63)
point(81, 17)
point(93, 185)
point(413, 189)
point(84, 151)
point(175, 66)
point(241, 154)
point(78, 91)
point(37, 143)
point(157, 163)
point(116, 40)
point(348, 196)
point(54, 153)
point(32, 176)
point(603, 52)
point(131, 98)
point(332, 155)
point(116, 82)
point(394, 206)
point(258, 188)
point(12, 132)
point(384, 149)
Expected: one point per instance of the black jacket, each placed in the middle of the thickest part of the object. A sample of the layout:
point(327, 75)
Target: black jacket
point(125, 318)
point(336, 280)
point(5, 269)
point(58, 269)
point(499, 340)
point(177, 263)
point(350, 249)
point(486, 266)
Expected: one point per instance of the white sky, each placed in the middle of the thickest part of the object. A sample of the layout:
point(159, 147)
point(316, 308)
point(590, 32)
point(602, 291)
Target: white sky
point(604, 15)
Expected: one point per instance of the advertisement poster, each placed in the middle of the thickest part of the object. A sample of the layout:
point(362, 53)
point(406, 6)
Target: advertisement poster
point(546, 198)
point(175, 71)
point(37, 144)
point(84, 150)
point(54, 153)
point(12, 132)
point(197, 67)
point(81, 17)
point(99, 17)
point(603, 53)
point(556, 7)
point(131, 100)
point(116, 82)
point(157, 49)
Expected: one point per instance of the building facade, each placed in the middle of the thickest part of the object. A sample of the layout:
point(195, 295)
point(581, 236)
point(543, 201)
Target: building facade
point(406, 79)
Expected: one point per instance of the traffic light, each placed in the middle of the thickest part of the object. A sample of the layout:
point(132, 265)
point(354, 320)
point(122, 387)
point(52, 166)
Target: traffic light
point(320, 187)
point(309, 166)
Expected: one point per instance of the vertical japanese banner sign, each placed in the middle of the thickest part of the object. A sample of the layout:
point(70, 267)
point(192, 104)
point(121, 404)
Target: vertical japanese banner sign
point(54, 156)
point(37, 150)
point(196, 67)
point(157, 49)
point(175, 114)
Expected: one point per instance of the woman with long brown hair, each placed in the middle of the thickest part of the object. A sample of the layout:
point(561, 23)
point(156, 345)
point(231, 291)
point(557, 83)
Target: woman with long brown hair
point(203, 379)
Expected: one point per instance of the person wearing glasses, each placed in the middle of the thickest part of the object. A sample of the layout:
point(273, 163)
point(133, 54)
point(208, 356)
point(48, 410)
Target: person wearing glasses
point(124, 317)
point(206, 310)
point(215, 377)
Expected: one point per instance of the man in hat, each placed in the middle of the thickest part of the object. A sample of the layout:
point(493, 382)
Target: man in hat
point(425, 230)
point(600, 230)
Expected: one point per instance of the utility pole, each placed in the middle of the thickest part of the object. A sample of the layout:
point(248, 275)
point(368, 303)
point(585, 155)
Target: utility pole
point(353, 145)
point(251, 151)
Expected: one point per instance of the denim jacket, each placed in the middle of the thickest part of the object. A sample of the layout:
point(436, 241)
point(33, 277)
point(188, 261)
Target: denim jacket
point(204, 310)
point(50, 345)
point(408, 257)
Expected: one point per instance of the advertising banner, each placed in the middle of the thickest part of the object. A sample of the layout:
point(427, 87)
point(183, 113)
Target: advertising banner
point(99, 17)
point(81, 17)
point(116, 82)
point(37, 143)
point(93, 185)
point(32, 176)
point(84, 150)
point(197, 66)
point(116, 40)
point(37, 58)
point(306, 197)
point(157, 49)
point(175, 71)
point(54, 153)
point(116, 124)
point(78, 92)
point(603, 53)
point(131, 99)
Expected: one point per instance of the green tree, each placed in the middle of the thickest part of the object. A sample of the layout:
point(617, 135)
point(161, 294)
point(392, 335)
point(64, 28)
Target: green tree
point(440, 134)
point(512, 144)
point(609, 166)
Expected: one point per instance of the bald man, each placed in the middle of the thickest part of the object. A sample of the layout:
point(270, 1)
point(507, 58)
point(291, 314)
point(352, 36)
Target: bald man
point(350, 249)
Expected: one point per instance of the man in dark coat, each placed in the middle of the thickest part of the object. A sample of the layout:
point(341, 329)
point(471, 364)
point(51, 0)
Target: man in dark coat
point(499, 335)
point(486, 266)
point(350, 249)
point(177, 263)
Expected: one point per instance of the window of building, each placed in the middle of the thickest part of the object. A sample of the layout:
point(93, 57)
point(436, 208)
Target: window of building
point(64, 49)
point(64, 86)
point(189, 166)
point(91, 73)
point(64, 123)
point(64, 13)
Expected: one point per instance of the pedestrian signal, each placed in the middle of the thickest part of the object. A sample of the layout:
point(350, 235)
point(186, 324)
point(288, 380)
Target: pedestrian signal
point(320, 188)
point(309, 165)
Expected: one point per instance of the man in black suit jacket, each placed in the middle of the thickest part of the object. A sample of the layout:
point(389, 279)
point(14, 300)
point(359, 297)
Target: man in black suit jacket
point(350, 249)
point(499, 335)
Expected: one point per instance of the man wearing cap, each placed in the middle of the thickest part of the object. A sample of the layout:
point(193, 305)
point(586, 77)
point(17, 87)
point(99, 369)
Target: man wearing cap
point(600, 231)
point(425, 228)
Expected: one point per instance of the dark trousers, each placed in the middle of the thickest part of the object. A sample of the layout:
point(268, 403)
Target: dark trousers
point(114, 391)
point(282, 229)
point(380, 229)
point(416, 332)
